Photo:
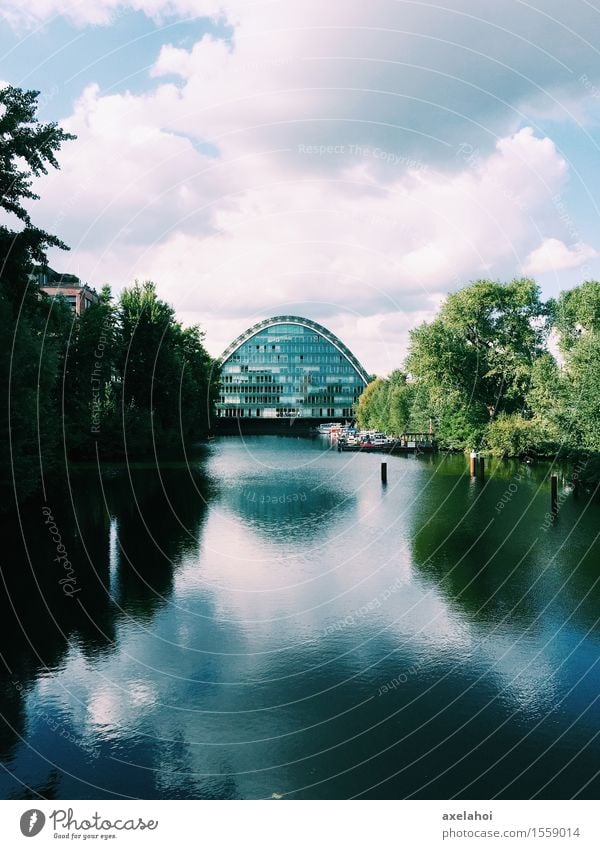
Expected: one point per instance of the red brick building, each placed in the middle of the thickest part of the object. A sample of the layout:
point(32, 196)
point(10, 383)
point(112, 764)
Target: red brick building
point(79, 295)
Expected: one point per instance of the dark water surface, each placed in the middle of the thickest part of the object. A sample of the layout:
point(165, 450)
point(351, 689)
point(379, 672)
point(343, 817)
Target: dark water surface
point(272, 620)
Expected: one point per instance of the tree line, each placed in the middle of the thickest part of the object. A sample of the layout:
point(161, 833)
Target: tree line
point(483, 372)
point(123, 380)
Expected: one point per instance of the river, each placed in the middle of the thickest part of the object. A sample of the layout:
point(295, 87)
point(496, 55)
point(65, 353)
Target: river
point(269, 620)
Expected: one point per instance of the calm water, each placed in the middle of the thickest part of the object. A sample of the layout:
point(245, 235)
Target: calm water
point(272, 620)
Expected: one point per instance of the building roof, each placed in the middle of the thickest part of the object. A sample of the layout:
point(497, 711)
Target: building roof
point(55, 278)
point(303, 322)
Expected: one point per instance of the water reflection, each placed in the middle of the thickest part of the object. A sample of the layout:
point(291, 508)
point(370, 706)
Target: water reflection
point(158, 517)
point(124, 533)
point(232, 640)
point(302, 511)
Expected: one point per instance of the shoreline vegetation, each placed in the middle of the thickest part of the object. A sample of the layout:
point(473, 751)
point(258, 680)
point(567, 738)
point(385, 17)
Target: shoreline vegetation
point(126, 381)
point(483, 376)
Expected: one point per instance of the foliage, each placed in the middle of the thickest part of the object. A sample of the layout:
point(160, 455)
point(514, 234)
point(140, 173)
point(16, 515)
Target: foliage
point(31, 335)
point(386, 404)
point(481, 370)
point(513, 436)
point(90, 381)
point(118, 377)
point(370, 408)
point(136, 381)
point(168, 383)
point(582, 375)
point(474, 361)
point(27, 149)
point(576, 313)
point(574, 397)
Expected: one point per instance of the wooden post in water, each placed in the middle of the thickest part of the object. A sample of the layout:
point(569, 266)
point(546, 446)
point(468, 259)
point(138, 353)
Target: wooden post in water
point(384, 473)
point(554, 495)
point(473, 463)
point(481, 468)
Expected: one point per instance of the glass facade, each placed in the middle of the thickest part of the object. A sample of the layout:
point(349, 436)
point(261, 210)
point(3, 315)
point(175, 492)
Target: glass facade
point(289, 367)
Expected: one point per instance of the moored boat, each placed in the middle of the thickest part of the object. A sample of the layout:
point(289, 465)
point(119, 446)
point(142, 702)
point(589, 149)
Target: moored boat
point(375, 441)
point(326, 428)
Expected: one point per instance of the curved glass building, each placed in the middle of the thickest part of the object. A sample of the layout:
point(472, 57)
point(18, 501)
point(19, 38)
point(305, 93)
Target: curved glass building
point(289, 367)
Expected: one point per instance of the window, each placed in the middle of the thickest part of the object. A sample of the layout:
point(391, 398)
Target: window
point(292, 366)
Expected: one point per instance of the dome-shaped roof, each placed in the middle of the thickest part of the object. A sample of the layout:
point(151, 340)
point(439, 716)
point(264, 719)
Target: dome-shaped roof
point(303, 322)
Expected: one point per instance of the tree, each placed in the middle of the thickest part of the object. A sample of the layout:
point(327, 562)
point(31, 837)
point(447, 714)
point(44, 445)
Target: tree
point(113, 377)
point(576, 313)
point(582, 415)
point(370, 408)
point(89, 381)
point(400, 402)
point(199, 386)
point(27, 149)
point(448, 372)
point(506, 324)
point(31, 335)
point(475, 359)
point(574, 398)
point(167, 379)
point(386, 404)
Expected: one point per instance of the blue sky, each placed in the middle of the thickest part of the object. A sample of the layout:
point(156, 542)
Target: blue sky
point(348, 163)
point(60, 58)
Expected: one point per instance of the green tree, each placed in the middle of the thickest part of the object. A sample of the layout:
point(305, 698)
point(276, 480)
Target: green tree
point(583, 405)
point(475, 359)
point(199, 385)
point(167, 379)
point(574, 398)
point(27, 149)
point(386, 404)
point(576, 313)
point(448, 372)
point(370, 408)
point(32, 331)
point(399, 401)
point(90, 381)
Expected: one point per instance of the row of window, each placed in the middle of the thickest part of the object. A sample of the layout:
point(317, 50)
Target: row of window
point(288, 369)
point(296, 347)
point(259, 378)
point(331, 387)
point(291, 356)
point(281, 378)
point(273, 399)
point(284, 412)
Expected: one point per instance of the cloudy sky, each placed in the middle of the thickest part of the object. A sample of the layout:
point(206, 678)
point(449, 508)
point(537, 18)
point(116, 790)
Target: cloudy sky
point(348, 161)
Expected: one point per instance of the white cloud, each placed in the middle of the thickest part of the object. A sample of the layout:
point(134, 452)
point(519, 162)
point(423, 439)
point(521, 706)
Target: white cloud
point(232, 240)
point(554, 255)
point(360, 239)
point(444, 73)
point(207, 60)
point(358, 167)
point(99, 12)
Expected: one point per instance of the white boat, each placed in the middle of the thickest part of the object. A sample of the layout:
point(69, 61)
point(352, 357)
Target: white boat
point(326, 428)
point(379, 438)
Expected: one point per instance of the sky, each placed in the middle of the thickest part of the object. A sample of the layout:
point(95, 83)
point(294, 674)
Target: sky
point(350, 162)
